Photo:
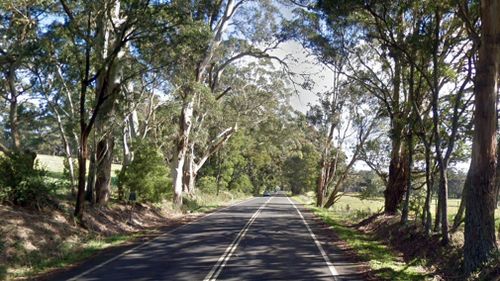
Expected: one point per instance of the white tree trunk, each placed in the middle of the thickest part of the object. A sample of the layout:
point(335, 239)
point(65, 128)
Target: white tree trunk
point(185, 126)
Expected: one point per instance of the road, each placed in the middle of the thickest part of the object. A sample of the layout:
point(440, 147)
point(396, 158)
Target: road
point(267, 238)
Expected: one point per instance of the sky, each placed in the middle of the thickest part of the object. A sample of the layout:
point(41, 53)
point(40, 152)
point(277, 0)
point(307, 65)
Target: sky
point(300, 61)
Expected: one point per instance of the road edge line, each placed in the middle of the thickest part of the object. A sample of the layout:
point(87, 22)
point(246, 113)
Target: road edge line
point(145, 243)
point(332, 269)
point(222, 261)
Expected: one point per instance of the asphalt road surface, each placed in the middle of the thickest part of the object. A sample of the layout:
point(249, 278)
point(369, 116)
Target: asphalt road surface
point(267, 238)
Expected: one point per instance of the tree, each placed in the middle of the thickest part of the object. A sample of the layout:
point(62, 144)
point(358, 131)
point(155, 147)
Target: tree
point(18, 29)
point(99, 57)
point(480, 240)
point(206, 49)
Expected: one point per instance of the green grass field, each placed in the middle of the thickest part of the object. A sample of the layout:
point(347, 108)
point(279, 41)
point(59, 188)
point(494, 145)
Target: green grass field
point(357, 208)
point(55, 164)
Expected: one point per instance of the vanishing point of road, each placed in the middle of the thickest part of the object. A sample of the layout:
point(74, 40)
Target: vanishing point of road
point(266, 238)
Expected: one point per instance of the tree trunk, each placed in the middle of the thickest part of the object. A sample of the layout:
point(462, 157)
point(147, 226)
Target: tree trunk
point(406, 205)
point(108, 84)
point(397, 182)
point(443, 193)
point(437, 222)
point(442, 163)
point(428, 196)
point(182, 146)
point(321, 184)
point(409, 146)
point(104, 161)
point(90, 194)
point(13, 116)
point(480, 240)
point(82, 170)
point(459, 217)
point(67, 151)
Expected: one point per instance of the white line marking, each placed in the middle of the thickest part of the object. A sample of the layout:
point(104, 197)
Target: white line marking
point(332, 269)
point(75, 278)
point(222, 261)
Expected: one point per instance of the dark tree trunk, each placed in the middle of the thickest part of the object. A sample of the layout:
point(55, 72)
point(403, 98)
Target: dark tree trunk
point(429, 181)
point(459, 217)
point(104, 157)
point(480, 240)
point(82, 170)
point(397, 184)
point(321, 184)
point(437, 222)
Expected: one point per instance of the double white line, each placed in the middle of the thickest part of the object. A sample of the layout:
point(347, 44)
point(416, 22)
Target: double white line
point(135, 248)
point(222, 261)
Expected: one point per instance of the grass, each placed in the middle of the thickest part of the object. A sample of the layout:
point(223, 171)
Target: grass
point(69, 253)
point(204, 202)
point(384, 262)
point(356, 208)
point(55, 164)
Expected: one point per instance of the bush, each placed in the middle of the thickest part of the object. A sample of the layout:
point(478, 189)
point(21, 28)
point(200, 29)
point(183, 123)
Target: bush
point(147, 175)
point(207, 184)
point(22, 182)
point(243, 184)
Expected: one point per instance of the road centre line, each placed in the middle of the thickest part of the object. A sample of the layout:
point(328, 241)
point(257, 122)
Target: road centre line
point(222, 261)
point(75, 278)
point(332, 269)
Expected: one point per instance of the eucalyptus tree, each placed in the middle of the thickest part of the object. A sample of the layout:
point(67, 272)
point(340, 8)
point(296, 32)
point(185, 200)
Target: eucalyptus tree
point(348, 23)
point(49, 83)
point(480, 238)
point(19, 24)
point(346, 121)
point(206, 47)
point(253, 156)
point(97, 37)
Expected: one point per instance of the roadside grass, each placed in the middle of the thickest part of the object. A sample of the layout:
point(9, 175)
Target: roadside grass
point(354, 208)
point(203, 202)
point(35, 263)
point(382, 260)
point(385, 263)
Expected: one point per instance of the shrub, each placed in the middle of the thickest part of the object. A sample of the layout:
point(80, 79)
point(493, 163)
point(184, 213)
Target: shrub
point(207, 184)
point(147, 175)
point(22, 182)
point(243, 184)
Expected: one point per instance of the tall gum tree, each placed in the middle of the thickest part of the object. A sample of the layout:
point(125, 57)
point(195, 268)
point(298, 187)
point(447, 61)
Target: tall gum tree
point(368, 22)
point(480, 240)
point(82, 26)
point(202, 70)
point(17, 44)
point(109, 29)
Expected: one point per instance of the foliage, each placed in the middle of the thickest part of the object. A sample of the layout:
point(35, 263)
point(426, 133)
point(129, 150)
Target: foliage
point(369, 184)
point(22, 182)
point(243, 184)
point(301, 171)
point(146, 175)
point(208, 184)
